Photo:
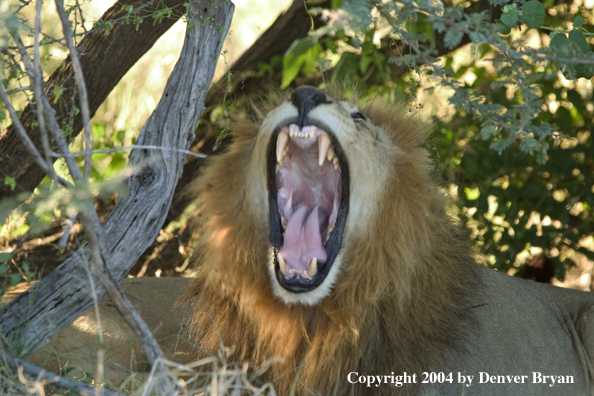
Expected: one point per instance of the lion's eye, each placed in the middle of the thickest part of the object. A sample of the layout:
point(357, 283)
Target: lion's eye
point(358, 116)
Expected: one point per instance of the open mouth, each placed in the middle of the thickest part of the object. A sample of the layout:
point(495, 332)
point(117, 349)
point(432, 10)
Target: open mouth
point(308, 197)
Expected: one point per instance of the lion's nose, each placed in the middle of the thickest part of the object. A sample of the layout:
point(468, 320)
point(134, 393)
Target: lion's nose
point(305, 99)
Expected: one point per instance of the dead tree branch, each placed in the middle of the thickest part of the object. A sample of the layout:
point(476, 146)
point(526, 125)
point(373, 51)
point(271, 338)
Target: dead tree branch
point(64, 295)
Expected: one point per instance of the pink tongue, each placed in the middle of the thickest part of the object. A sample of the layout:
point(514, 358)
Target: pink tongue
point(302, 239)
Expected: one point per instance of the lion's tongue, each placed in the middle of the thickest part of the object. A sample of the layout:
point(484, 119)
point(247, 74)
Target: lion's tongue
point(302, 240)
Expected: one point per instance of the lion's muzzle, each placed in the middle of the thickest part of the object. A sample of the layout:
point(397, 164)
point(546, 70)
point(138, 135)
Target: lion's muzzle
point(308, 205)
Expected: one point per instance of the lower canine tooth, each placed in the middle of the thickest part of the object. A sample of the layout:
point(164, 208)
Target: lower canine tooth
point(313, 267)
point(282, 265)
point(284, 223)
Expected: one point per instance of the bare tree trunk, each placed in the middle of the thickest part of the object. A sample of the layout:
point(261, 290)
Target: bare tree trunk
point(57, 300)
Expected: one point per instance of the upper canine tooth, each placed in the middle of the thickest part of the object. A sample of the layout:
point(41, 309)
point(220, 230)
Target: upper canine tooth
point(313, 267)
point(281, 264)
point(323, 145)
point(281, 144)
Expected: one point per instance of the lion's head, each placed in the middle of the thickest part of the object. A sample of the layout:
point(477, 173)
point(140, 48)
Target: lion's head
point(322, 233)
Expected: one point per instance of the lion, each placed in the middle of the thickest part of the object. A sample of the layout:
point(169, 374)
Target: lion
point(326, 252)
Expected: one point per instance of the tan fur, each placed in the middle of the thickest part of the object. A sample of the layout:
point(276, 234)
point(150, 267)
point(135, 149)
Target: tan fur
point(77, 346)
point(402, 282)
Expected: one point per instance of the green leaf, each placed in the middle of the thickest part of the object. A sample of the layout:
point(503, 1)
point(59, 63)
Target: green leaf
point(10, 181)
point(578, 38)
point(311, 56)
point(364, 63)
point(487, 132)
point(25, 266)
point(559, 42)
point(3, 269)
point(500, 145)
point(580, 70)
point(15, 279)
point(472, 194)
point(293, 60)
point(57, 93)
point(452, 38)
point(336, 4)
point(534, 13)
point(5, 256)
point(529, 145)
point(98, 130)
point(578, 21)
point(510, 18)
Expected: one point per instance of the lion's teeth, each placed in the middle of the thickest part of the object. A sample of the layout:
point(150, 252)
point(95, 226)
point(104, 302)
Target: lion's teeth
point(334, 159)
point(281, 146)
point(323, 145)
point(336, 164)
point(293, 130)
point(281, 264)
point(312, 270)
point(330, 155)
point(284, 223)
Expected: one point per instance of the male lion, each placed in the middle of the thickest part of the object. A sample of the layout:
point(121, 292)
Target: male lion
point(325, 243)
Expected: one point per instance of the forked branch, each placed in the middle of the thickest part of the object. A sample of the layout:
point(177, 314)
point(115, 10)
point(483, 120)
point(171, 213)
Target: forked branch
point(114, 247)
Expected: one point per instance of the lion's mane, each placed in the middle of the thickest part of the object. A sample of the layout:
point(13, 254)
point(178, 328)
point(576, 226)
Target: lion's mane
point(399, 300)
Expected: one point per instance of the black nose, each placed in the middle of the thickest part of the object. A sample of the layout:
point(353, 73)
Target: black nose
point(305, 99)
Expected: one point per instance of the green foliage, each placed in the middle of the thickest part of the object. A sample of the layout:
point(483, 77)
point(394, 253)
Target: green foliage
point(10, 181)
point(11, 274)
point(517, 141)
point(533, 13)
point(302, 54)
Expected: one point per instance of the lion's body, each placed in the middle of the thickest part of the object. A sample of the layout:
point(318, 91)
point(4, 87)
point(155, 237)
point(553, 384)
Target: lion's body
point(403, 294)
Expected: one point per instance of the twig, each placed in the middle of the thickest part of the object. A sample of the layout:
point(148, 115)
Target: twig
point(66, 235)
point(25, 138)
point(58, 136)
point(80, 83)
point(121, 302)
point(38, 81)
point(53, 40)
point(53, 378)
point(61, 140)
point(82, 17)
point(20, 89)
point(138, 146)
